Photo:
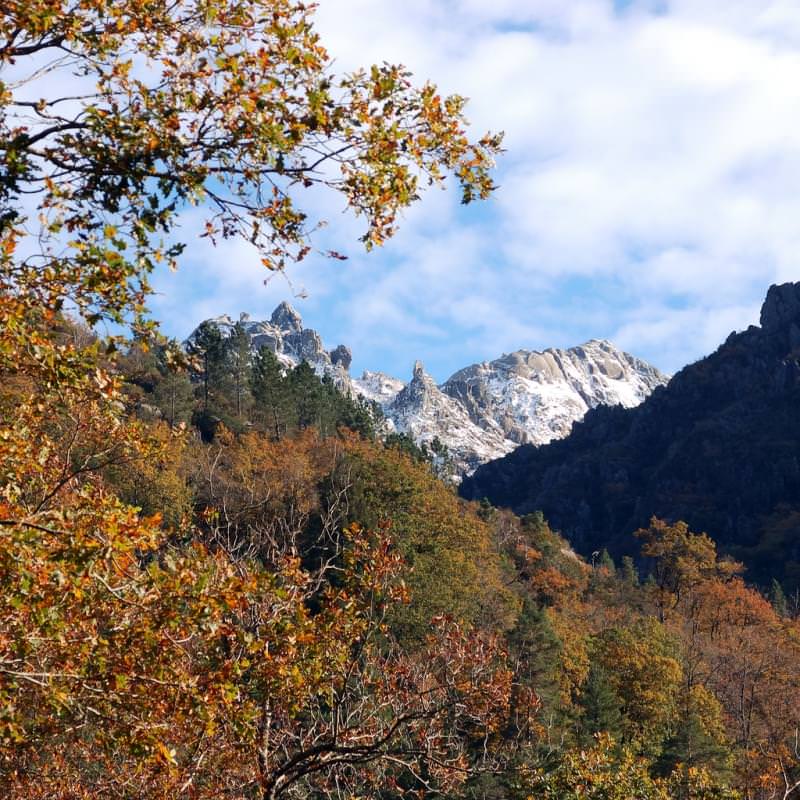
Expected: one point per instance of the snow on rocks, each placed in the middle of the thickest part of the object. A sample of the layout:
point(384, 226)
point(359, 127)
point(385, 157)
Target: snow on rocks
point(482, 411)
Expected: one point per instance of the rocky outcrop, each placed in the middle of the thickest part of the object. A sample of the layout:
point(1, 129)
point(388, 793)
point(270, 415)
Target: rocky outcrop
point(285, 318)
point(483, 411)
point(342, 357)
point(719, 447)
point(780, 315)
point(378, 387)
point(535, 397)
point(424, 412)
point(292, 343)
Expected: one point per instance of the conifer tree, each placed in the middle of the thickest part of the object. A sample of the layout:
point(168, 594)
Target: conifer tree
point(238, 358)
point(270, 391)
point(607, 563)
point(630, 575)
point(601, 707)
point(697, 742)
point(208, 348)
point(307, 395)
point(536, 649)
point(778, 598)
point(174, 395)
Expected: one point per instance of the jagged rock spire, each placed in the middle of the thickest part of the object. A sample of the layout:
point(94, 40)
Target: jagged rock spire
point(781, 307)
point(286, 318)
point(780, 315)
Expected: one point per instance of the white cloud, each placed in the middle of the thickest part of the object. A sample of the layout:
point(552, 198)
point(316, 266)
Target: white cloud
point(650, 192)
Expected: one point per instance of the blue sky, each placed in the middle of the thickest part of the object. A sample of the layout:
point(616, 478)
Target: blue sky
point(650, 191)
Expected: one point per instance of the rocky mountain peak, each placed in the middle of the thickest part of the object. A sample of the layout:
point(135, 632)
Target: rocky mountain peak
point(533, 396)
point(378, 387)
point(780, 314)
point(424, 412)
point(285, 336)
point(286, 318)
point(482, 411)
point(421, 390)
point(342, 355)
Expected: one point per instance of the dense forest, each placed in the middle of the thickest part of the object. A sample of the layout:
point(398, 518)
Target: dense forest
point(218, 578)
point(275, 561)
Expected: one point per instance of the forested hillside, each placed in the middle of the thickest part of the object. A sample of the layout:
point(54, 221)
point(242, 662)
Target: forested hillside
point(718, 447)
point(265, 559)
point(216, 579)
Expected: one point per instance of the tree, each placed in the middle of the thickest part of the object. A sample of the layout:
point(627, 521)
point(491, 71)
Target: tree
point(597, 774)
point(238, 358)
point(201, 677)
point(155, 383)
point(629, 573)
point(778, 598)
point(698, 740)
point(456, 566)
point(600, 705)
point(208, 347)
point(270, 392)
point(229, 103)
point(641, 664)
point(682, 561)
point(173, 393)
point(307, 395)
point(132, 663)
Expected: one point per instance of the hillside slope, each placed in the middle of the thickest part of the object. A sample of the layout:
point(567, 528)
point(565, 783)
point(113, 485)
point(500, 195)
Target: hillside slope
point(719, 447)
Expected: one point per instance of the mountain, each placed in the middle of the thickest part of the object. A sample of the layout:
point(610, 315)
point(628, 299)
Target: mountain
point(718, 447)
point(535, 397)
point(486, 410)
point(292, 343)
point(483, 411)
point(423, 411)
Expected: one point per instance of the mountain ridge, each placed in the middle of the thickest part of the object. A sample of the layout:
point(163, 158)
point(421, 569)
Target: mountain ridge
point(718, 447)
point(482, 411)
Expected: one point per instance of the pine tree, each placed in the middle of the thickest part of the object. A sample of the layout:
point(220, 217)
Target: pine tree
point(270, 392)
point(208, 348)
point(306, 391)
point(601, 708)
point(239, 362)
point(778, 599)
point(173, 394)
point(537, 650)
point(607, 563)
point(697, 742)
point(630, 575)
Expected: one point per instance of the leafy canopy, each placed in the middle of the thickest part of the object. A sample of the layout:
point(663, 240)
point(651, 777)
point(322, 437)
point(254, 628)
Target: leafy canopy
point(134, 661)
point(116, 115)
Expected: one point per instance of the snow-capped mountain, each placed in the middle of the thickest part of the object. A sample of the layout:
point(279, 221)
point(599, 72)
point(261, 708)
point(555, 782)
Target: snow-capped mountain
point(482, 411)
point(285, 335)
point(378, 386)
point(423, 411)
point(535, 397)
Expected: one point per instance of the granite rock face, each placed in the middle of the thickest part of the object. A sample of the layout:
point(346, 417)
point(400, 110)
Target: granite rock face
point(483, 411)
point(292, 343)
point(343, 356)
point(423, 411)
point(285, 318)
point(718, 447)
point(780, 314)
point(535, 397)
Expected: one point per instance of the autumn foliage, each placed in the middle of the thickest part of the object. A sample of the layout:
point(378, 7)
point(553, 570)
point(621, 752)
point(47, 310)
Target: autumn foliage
point(211, 590)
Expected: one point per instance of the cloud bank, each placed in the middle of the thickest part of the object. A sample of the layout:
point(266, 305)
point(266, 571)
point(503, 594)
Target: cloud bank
point(649, 194)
